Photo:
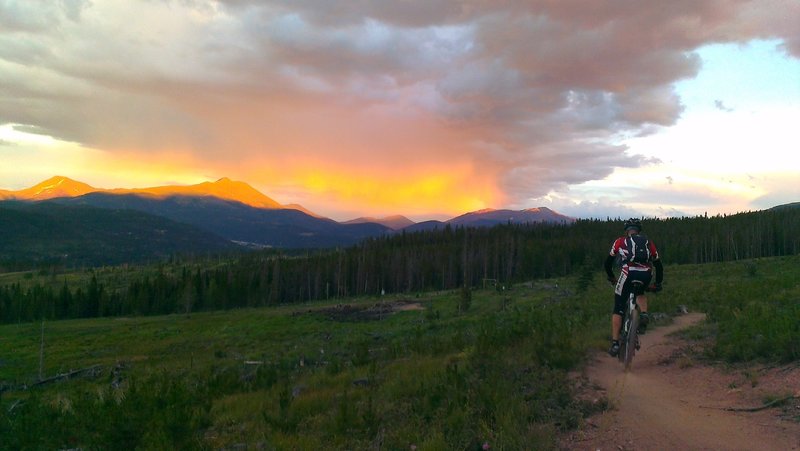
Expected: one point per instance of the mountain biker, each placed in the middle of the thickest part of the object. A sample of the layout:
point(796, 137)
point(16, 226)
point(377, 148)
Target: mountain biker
point(639, 268)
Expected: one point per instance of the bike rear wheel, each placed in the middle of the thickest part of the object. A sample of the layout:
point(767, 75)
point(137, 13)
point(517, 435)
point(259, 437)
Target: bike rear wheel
point(630, 340)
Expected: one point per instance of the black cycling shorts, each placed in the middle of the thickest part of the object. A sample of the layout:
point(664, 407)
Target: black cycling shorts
point(624, 286)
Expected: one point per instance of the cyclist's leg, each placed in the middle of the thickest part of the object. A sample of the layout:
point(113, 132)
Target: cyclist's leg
point(641, 298)
point(644, 316)
point(616, 325)
point(617, 315)
point(620, 304)
point(642, 301)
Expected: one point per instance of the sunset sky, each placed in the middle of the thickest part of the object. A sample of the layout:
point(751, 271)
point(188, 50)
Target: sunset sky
point(424, 108)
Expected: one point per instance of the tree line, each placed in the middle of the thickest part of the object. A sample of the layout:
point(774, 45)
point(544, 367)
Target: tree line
point(443, 259)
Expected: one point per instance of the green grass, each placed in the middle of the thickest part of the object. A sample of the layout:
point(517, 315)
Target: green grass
point(753, 307)
point(314, 376)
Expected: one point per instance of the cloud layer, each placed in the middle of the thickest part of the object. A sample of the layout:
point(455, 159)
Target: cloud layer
point(514, 99)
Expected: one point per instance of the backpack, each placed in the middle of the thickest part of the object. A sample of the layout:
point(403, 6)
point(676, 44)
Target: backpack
point(638, 249)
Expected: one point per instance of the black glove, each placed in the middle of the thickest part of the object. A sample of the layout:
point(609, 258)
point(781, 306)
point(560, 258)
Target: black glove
point(612, 279)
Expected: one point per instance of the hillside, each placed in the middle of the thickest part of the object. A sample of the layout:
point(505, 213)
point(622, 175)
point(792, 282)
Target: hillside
point(83, 235)
point(490, 218)
point(236, 221)
point(223, 188)
point(786, 206)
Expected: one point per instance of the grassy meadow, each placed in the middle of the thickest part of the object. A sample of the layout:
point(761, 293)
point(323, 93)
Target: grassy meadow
point(446, 370)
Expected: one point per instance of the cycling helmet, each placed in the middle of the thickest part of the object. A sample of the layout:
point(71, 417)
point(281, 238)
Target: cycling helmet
point(633, 223)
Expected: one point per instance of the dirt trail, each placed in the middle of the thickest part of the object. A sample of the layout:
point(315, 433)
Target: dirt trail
point(664, 403)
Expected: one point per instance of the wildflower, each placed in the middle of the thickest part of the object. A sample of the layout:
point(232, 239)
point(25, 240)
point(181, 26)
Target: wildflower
point(486, 446)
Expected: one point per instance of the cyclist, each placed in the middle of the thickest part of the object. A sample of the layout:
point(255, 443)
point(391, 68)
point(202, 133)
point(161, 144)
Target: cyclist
point(639, 257)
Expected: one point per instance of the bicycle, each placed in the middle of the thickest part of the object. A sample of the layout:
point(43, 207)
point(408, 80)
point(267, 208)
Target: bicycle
point(629, 333)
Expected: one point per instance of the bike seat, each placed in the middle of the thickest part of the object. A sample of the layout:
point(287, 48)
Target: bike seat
point(637, 287)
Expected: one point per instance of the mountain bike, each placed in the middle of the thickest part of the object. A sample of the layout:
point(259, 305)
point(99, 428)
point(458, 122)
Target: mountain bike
point(629, 334)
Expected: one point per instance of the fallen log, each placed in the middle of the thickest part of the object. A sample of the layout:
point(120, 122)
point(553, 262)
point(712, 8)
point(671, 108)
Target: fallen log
point(92, 369)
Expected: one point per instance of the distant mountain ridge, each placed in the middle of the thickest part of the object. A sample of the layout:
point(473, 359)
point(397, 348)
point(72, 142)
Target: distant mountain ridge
point(224, 188)
point(237, 191)
point(238, 212)
point(489, 217)
point(395, 222)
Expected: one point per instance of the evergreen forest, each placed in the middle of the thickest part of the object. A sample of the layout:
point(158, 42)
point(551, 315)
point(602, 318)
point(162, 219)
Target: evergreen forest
point(405, 263)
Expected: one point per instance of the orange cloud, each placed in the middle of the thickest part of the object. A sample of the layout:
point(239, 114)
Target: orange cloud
point(328, 187)
point(129, 169)
point(335, 189)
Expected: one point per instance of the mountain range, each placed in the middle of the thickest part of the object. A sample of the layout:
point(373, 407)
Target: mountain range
point(224, 188)
point(236, 212)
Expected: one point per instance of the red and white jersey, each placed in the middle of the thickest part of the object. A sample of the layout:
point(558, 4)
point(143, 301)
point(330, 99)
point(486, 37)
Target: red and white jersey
point(620, 247)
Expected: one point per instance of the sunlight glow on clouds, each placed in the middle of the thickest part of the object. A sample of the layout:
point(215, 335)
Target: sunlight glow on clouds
point(337, 186)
